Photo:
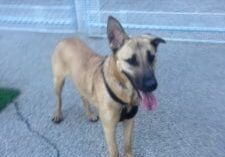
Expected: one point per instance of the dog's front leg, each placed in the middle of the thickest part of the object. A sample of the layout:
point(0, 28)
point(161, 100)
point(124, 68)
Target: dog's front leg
point(109, 122)
point(128, 130)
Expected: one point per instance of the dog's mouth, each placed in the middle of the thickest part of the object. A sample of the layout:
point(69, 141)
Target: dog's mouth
point(147, 100)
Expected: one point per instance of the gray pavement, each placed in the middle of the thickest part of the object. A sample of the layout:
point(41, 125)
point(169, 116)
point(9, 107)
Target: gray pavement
point(189, 120)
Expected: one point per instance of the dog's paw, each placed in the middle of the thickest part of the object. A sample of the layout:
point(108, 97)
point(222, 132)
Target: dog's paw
point(93, 118)
point(57, 117)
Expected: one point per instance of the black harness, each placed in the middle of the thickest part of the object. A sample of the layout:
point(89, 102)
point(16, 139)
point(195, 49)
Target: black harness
point(125, 114)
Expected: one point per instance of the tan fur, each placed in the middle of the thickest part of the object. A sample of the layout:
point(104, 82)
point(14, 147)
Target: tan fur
point(74, 59)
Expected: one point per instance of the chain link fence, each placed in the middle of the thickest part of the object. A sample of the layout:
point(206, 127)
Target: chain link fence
point(182, 22)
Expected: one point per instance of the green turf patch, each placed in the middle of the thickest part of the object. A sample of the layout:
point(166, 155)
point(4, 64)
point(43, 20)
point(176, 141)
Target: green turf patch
point(7, 96)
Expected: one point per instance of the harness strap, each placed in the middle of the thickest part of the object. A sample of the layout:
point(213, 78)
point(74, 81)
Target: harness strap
point(128, 114)
point(125, 114)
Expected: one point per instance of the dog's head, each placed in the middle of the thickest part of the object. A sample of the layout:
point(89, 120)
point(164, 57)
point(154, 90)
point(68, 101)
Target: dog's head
point(135, 58)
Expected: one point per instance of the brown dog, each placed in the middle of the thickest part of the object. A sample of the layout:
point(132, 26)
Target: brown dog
point(113, 84)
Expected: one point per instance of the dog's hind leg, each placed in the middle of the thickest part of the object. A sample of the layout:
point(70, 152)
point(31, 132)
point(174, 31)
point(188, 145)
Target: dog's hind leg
point(87, 107)
point(58, 86)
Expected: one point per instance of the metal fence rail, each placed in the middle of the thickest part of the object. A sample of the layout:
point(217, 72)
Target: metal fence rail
point(39, 18)
point(181, 26)
point(90, 16)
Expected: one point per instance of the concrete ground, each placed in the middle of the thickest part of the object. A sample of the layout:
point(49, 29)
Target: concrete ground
point(189, 120)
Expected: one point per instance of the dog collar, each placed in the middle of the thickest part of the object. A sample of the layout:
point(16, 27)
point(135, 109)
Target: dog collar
point(125, 114)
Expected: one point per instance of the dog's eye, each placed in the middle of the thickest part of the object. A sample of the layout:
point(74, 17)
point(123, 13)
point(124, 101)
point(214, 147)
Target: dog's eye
point(150, 57)
point(132, 61)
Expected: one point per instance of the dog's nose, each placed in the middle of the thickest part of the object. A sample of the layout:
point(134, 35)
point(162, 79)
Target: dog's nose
point(149, 83)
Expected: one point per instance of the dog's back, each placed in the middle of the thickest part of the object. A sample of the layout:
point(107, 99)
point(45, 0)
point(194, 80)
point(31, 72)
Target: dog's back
point(72, 53)
point(72, 57)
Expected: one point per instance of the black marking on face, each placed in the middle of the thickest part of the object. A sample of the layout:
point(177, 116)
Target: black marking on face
point(131, 81)
point(150, 57)
point(133, 60)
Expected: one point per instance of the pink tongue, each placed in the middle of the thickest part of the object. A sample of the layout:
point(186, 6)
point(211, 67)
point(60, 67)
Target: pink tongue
point(148, 100)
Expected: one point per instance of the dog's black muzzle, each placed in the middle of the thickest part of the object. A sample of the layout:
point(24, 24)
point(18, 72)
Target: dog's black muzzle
point(145, 82)
point(149, 83)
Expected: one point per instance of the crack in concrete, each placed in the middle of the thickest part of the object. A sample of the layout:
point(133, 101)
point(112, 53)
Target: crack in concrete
point(25, 120)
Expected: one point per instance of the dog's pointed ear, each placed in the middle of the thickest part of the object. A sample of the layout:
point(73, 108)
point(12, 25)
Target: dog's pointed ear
point(156, 41)
point(115, 33)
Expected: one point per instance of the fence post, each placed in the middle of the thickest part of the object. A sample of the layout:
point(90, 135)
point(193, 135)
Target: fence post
point(84, 15)
point(81, 15)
